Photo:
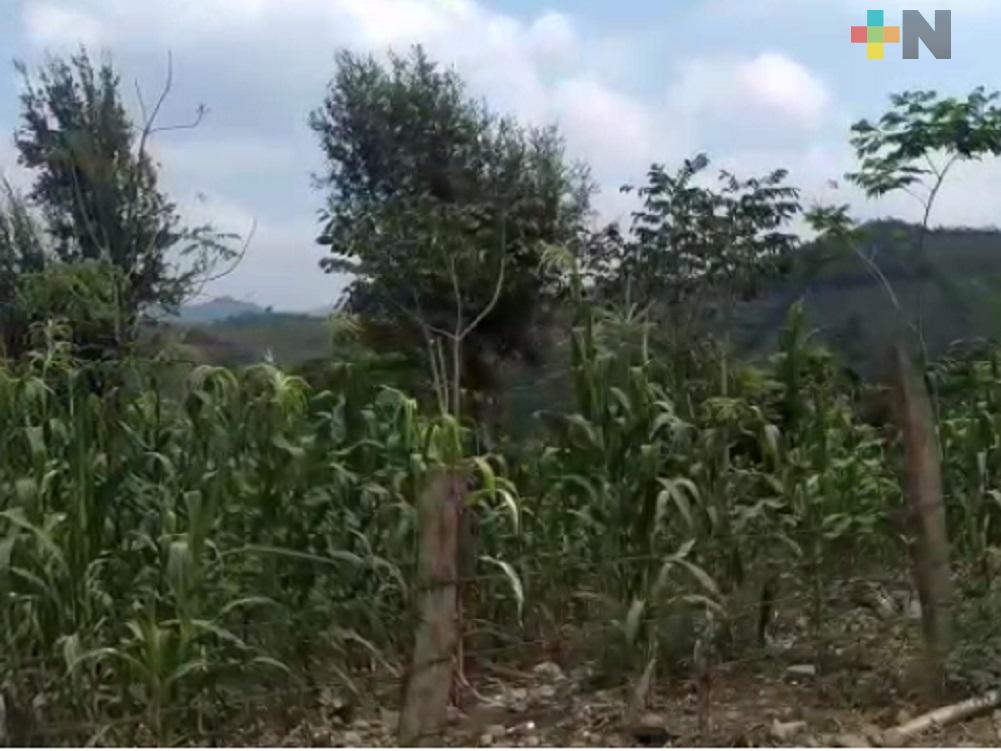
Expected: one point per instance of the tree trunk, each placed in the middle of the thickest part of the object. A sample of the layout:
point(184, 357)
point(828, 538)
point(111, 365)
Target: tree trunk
point(429, 680)
point(926, 512)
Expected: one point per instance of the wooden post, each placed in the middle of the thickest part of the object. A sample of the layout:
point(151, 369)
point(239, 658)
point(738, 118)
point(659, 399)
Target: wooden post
point(926, 512)
point(429, 681)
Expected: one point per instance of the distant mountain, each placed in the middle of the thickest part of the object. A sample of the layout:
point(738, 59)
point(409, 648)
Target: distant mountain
point(213, 311)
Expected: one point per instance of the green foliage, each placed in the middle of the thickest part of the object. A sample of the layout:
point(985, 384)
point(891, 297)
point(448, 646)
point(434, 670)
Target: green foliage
point(912, 149)
point(895, 152)
point(82, 296)
point(670, 503)
point(436, 204)
point(97, 188)
point(22, 251)
point(969, 388)
point(698, 248)
point(166, 543)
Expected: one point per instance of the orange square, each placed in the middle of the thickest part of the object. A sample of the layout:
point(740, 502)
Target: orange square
point(891, 34)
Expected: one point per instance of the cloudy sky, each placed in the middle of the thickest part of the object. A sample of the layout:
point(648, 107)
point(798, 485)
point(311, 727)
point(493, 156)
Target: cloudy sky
point(757, 84)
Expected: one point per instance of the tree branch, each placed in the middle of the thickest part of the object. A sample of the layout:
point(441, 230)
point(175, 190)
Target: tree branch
point(238, 260)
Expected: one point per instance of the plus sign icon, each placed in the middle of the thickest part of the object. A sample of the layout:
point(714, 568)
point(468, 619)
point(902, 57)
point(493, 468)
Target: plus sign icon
point(876, 35)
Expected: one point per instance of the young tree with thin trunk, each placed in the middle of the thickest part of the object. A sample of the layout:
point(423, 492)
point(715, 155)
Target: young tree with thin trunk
point(913, 148)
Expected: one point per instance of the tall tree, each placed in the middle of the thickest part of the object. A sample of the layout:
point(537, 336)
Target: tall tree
point(440, 209)
point(696, 247)
point(96, 184)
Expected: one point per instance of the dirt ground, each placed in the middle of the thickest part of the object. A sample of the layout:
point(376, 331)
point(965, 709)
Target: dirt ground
point(860, 685)
point(758, 709)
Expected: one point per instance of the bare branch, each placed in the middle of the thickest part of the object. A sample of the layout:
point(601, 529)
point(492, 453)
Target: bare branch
point(491, 305)
point(497, 289)
point(418, 318)
point(874, 269)
point(200, 113)
point(458, 295)
point(238, 259)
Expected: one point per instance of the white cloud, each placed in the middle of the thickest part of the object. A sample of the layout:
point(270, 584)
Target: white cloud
point(610, 129)
point(775, 81)
point(770, 84)
point(552, 38)
point(57, 26)
point(10, 170)
point(772, 8)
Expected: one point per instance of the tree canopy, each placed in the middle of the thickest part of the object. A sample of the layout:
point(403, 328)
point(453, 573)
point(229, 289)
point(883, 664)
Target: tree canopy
point(436, 203)
point(694, 245)
point(97, 186)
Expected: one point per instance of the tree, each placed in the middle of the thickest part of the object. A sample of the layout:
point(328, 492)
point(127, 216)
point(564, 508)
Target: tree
point(97, 189)
point(695, 247)
point(440, 210)
point(22, 252)
point(913, 147)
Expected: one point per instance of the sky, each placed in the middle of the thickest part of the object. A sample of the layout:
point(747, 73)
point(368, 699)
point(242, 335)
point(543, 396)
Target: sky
point(756, 84)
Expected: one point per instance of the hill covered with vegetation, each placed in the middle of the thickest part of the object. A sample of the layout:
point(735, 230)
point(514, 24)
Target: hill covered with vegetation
point(849, 300)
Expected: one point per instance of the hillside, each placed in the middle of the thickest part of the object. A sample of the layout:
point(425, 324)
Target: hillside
point(218, 309)
point(959, 293)
point(289, 338)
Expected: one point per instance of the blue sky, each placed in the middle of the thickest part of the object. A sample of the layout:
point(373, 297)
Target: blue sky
point(758, 84)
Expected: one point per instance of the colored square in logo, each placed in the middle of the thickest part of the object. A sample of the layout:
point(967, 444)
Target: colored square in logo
point(875, 34)
point(875, 51)
point(891, 34)
point(876, 18)
point(860, 34)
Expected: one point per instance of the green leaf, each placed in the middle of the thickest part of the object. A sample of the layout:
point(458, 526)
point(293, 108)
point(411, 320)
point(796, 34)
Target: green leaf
point(513, 580)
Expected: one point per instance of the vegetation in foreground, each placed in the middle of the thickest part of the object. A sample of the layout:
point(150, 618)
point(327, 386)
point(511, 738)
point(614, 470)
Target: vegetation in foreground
point(182, 542)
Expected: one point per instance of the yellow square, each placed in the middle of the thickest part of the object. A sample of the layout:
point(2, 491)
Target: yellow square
point(875, 50)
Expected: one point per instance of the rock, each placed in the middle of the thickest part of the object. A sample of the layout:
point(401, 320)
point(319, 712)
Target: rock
point(873, 733)
point(351, 739)
point(850, 740)
point(532, 741)
point(545, 692)
point(785, 731)
point(801, 671)
point(650, 730)
point(914, 609)
point(497, 731)
point(486, 740)
point(549, 671)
